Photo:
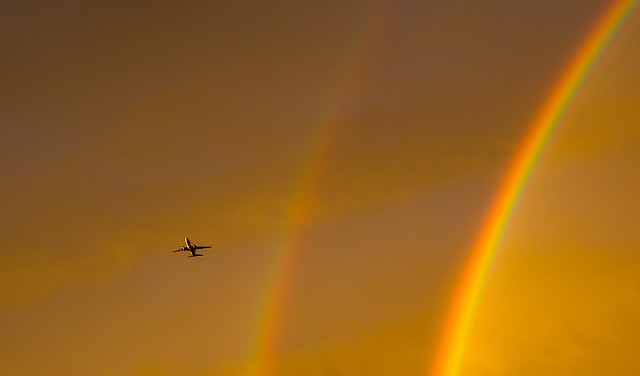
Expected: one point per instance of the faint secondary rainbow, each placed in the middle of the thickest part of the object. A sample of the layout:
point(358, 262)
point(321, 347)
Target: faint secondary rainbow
point(448, 361)
point(299, 210)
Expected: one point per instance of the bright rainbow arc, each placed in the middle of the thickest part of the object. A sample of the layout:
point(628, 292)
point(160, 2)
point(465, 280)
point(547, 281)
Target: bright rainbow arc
point(474, 278)
point(299, 208)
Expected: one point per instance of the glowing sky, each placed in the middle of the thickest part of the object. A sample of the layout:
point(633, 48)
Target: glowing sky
point(126, 127)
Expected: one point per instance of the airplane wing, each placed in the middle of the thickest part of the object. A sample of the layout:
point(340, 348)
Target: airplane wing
point(194, 254)
point(201, 246)
point(179, 250)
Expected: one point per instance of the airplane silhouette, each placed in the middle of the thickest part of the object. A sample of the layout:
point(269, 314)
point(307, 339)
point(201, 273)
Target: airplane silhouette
point(191, 248)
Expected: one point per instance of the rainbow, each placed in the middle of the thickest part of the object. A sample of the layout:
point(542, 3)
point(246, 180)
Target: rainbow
point(299, 210)
point(448, 361)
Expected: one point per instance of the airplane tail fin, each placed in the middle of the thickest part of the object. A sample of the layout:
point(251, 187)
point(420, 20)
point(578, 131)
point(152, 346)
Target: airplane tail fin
point(195, 255)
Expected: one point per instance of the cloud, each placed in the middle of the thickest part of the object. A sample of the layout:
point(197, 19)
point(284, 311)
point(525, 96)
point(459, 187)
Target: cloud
point(26, 279)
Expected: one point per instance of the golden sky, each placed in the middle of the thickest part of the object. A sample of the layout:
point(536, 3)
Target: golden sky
point(127, 126)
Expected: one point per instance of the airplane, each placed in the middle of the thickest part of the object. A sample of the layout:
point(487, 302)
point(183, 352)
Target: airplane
point(191, 248)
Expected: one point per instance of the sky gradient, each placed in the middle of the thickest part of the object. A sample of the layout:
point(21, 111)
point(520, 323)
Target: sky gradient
point(349, 151)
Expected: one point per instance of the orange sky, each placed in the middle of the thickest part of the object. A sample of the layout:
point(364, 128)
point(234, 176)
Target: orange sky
point(127, 127)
